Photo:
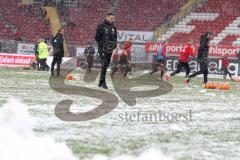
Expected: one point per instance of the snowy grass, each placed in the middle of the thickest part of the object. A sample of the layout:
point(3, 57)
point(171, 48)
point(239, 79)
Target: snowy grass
point(213, 132)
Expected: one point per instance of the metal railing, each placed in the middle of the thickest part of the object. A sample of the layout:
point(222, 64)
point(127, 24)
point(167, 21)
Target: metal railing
point(11, 46)
point(70, 3)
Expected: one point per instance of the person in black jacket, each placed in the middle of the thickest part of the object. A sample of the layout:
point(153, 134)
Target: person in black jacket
point(36, 55)
point(238, 56)
point(202, 57)
point(106, 37)
point(58, 51)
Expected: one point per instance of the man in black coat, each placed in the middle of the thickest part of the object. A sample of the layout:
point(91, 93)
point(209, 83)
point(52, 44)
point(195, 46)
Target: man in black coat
point(58, 51)
point(238, 56)
point(202, 57)
point(36, 55)
point(106, 37)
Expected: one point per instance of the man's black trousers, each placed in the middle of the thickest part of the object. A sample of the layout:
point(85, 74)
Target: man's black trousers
point(56, 60)
point(203, 70)
point(105, 58)
point(43, 64)
point(180, 66)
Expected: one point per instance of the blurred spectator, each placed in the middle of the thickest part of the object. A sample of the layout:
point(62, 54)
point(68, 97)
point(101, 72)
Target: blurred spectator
point(42, 13)
point(47, 22)
point(61, 8)
point(48, 40)
point(71, 25)
point(48, 2)
point(18, 36)
point(167, 18)
point(29, 10)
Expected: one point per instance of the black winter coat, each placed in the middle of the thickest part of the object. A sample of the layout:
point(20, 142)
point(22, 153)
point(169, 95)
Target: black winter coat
point(58, 45)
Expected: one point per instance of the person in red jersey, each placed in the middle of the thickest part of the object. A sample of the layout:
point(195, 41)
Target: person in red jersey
point(115, 60)
point(120, 61)
point(125, 66)
point(128, 48)
point(183, 60)
point(225, 65)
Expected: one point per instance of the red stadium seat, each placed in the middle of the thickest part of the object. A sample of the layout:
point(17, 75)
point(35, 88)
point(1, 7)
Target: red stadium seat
point(30, 26)
point(226, 16)
point(130, 15)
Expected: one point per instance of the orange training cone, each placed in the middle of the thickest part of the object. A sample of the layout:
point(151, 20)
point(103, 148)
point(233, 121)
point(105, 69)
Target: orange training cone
point(69, 77)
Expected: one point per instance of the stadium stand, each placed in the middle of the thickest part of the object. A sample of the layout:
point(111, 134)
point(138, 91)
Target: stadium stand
point(5, 32)
point(130, 16)
point(140, 15)
point(215, 15)
point(27, 22)
point(20, 21)
point(84, 20)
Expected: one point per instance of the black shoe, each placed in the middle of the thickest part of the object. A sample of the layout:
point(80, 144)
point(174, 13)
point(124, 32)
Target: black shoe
point(102, 84)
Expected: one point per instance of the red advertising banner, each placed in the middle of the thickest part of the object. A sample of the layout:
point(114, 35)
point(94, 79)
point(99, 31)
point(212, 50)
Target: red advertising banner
point(15, 59)
point(214, 51)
